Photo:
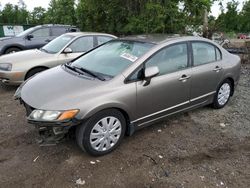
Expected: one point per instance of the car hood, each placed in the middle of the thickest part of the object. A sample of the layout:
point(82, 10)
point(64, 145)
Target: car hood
point(57, 89)
point(27, 55)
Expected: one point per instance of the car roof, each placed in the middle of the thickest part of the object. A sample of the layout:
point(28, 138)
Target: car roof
point(162, 38)
point(149, 38)
point(78, 34)
point(56, 25)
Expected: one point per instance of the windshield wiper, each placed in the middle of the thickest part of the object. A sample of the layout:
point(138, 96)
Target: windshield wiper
point(71, 68)
point(89, 72)
point(82, 70)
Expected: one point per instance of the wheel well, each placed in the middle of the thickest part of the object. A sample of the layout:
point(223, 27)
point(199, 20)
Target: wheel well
point(12, 47)
point(232, 82)
point(126, 116)
point(39, 67)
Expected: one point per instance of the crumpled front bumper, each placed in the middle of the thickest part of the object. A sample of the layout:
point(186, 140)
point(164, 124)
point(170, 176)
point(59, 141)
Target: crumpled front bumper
point(50, 133)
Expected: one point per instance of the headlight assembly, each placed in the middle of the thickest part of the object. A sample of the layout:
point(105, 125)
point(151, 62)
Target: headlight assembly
point(5, 66)
point(46, 115)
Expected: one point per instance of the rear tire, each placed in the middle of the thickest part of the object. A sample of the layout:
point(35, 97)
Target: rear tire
point(12, 50)
point(223, 94)
point(101, 133)
point(33, 72)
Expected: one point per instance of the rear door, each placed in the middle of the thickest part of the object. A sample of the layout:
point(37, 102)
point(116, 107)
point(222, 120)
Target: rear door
point(207, 71)
point(169, 91)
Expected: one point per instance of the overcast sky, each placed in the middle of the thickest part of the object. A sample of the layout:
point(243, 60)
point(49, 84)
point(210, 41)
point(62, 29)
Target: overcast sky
point(44, 3)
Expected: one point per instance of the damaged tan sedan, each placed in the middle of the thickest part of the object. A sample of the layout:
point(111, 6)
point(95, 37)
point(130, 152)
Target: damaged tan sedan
point(127, 84)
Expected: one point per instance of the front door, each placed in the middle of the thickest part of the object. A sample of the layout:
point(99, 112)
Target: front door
point(170, 90)
point(40, 37)
point(78, 46)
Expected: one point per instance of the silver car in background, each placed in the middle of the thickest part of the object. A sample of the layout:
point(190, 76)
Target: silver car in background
point(127, 84)
point(19, 66)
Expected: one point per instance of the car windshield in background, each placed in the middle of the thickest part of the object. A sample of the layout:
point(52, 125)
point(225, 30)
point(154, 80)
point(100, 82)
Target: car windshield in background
point(57, 44)
point(113, 57)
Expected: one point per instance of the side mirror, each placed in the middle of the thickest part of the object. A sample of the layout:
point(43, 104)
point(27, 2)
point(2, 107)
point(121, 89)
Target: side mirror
point(67, 50)
point(150, 72)
point(29, 36)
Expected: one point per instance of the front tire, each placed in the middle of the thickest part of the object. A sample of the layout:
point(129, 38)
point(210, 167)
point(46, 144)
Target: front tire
point(101, 133)
point(34, 71)
point(12, 50)
point(223, 94)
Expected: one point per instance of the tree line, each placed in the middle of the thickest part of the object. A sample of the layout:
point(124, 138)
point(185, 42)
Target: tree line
point(131, 16)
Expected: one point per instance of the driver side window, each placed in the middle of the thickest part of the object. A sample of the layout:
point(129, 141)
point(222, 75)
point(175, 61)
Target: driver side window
point(82, 44)
point(43, 32)
point(170, 59)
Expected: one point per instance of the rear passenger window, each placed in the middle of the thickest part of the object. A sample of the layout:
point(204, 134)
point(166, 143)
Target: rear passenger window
point(170, 59)
point(58, 31)
point(102, 39)
point(203, 53)
point(82, 44)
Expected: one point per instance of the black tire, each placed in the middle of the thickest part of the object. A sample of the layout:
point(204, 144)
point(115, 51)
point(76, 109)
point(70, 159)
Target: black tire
point(216, 103)
point(34, 71)
point(12, 50)
point(83, 131)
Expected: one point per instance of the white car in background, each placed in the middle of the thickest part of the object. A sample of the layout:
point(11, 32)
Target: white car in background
point(17, 67)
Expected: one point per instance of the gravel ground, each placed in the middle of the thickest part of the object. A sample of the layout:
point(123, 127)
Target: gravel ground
point(202, 148)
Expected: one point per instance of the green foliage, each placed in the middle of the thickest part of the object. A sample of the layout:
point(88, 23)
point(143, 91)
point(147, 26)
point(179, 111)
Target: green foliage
point(14, 14)
point(61, 12)
point(129, 16)
point(37, 16)
point(229, 21)
point(233, 21)
point(244, 17)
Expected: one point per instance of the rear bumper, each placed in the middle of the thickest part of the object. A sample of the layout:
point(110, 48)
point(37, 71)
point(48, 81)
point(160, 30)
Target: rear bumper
point(11, 77)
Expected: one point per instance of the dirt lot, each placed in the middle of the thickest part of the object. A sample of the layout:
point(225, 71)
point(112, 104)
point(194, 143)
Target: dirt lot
point(202, 148)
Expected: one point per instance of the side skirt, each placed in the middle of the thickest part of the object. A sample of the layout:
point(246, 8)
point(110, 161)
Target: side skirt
point(134, 127)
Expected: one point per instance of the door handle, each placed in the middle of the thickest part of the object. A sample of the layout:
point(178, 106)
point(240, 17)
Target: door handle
point(184, 78)
point(217, 69)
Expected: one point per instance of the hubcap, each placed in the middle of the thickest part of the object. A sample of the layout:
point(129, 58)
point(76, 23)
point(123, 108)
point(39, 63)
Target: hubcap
point(105, 133)
point(224, 94)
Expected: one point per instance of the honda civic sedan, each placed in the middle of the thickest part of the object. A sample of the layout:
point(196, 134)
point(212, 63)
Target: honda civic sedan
point(127, 84)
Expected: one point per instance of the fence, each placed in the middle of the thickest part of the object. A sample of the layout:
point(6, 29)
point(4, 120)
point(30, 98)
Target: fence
point(11, 30)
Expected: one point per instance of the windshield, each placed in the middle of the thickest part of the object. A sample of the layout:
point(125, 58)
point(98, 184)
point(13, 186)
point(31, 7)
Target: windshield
point(25, 32)
point(113, 57)
point(57, 44)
